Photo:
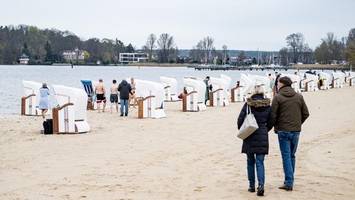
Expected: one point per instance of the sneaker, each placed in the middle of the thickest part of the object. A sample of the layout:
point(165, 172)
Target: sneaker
point(285, 187)
point(260, 191)
point(251, 189)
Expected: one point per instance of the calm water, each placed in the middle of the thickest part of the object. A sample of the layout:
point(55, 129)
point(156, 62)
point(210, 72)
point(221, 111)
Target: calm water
point(11, 76)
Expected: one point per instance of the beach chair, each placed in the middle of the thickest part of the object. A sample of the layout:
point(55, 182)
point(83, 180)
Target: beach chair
point(170, 88)
point(326, 80)
point(70, 115)
point(194, 100)
point(351, 79)
point(90, 91)
point(295, 81)
point(29, 102)
point(338, 79)
point(219, 95)
point(150, 97)
point(237, 94)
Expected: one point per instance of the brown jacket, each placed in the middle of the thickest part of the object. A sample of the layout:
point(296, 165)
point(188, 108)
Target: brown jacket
point(289, 110)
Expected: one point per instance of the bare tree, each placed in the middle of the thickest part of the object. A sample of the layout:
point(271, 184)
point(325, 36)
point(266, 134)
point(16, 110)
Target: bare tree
point(296, 42)
point(150, 46)
point(167, 48)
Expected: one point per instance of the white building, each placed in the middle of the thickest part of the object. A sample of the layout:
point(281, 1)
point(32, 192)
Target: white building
point(133, 57)
point(73, 56)
point(24, 59)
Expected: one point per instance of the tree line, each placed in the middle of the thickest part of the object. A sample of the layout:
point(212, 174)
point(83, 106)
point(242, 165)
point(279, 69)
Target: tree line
point(46, 46)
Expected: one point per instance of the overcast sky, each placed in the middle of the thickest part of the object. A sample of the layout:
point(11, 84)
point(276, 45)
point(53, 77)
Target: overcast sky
point(240, 24)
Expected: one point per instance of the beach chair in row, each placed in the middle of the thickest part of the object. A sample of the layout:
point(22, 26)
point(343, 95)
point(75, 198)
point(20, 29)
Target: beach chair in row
point(194, 100)
point(150, 97)
point(70, 115)
point(350, 78)
point(90, 91)
point(219, 94)
point(309, 83)
point(170, 88)
point(29, 102)
point(326, 80)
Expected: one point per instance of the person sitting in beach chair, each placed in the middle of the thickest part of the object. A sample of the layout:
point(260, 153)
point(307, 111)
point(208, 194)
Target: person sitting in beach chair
point(100, 95)
point(132, 97)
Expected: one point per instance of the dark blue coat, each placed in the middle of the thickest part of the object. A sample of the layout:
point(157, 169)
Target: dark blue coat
point(257, 142)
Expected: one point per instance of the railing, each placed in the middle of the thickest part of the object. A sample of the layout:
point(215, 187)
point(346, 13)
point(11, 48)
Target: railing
point(184, 100)
point(55, 114)
point(23, 104)
point(233, 99)
point(211, 96)
point(141, 106)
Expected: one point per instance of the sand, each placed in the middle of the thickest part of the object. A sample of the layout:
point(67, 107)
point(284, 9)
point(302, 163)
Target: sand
point(183, 156)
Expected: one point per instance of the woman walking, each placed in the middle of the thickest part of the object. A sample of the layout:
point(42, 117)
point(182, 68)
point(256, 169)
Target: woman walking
point(44, 99)
point(256, 146)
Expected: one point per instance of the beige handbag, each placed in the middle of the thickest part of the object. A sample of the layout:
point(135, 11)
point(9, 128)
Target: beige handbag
point(249, 125)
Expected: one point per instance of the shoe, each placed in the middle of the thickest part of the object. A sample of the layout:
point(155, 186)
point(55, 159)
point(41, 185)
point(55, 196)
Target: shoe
point(285, 187)
point(251, 189)
point(260, 191)
point(121, 115)
point(126, 114)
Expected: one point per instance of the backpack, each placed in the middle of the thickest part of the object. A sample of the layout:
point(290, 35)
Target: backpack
point(48, 126)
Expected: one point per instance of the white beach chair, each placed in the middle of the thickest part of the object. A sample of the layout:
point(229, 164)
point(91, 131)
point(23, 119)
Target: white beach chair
point(310, 83)
point(327, 80)
point(219, 96)
point(70, 116)
point(170, 88)
point(150, 99)
point(295, 81)
point(194, 101)
point(351, 79)
point(338, 79)
point(30, 100)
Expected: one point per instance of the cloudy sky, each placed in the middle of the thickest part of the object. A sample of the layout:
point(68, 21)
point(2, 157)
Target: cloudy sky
point(240, 24)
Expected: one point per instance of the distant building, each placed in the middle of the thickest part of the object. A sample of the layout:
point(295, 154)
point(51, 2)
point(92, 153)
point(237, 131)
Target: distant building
point(133, 57)
point(24, 59)
point(74, 55)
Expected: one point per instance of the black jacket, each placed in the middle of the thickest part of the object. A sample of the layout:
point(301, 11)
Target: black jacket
point(289, 110)
point(257, 142)
point(125, 89)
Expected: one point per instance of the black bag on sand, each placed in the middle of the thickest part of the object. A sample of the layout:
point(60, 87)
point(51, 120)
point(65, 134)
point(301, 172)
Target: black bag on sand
point(48, 126)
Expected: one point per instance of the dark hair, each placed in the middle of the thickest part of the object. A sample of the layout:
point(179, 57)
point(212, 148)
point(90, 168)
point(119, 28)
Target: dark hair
point(286, 81)
point(100, 80)
point(114, 81)
point(207, 77)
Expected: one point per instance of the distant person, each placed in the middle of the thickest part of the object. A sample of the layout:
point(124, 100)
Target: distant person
point(208, 88)
point(133, 99)
point(256, 146)
point(114, 95)
point(44, 99)
point(125, 90)
point(237, 85)
point(183, 94)
point(289, 111)
point(272, 81)
point(275, 88)
point(100, 95)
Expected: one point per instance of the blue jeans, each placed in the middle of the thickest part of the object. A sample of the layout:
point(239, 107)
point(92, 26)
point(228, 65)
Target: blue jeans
point(288, 142)
point(258, 161)
point(124, 105)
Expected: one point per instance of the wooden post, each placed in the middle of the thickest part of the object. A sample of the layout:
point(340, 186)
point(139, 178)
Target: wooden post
point(184, 103)
point(233, 95)
point(23, 105)
point(55, 120)
point(211, 98)
point(140, 108)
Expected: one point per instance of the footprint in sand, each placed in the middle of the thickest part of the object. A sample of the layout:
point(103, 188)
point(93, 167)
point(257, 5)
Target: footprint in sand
point(199, 188)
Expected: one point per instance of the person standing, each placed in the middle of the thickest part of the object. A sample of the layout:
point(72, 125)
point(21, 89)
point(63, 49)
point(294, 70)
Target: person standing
point(125, 90)
point(256, 146)
point(289, 112)
point(114, 95)
point(208, 88)
point(133, 99)
point(44, 99)
point(100, 95)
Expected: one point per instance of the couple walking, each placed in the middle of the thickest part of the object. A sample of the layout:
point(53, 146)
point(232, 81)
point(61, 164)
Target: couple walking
point(286, 114)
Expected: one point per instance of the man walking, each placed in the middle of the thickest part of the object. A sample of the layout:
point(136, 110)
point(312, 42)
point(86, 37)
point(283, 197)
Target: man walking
point(289, 111)
point(125, 90)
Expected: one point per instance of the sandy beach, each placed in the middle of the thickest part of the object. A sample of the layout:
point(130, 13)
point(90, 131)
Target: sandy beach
point(183, 156)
